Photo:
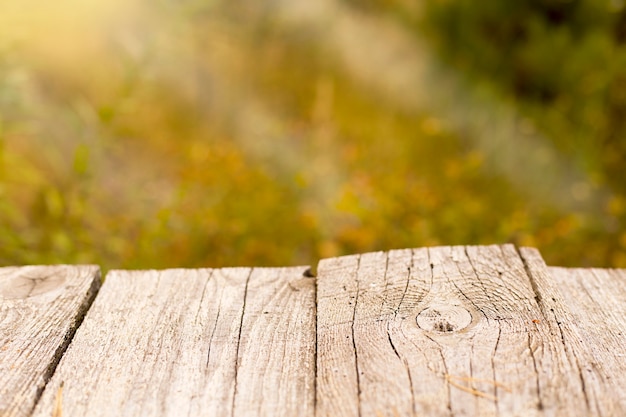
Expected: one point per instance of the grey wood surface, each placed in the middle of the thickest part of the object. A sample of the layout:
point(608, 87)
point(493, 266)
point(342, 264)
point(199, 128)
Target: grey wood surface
point(601, 395)
point(596, 299)
point(452, 331)
point(40, 309)
point(446, 331)
point(224, 342)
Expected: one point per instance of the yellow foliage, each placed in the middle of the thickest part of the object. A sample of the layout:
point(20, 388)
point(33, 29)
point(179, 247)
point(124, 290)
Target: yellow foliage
point(141, 135)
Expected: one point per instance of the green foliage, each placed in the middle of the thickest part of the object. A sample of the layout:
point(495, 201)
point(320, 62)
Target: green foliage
point(564, 63)
point(199, 140)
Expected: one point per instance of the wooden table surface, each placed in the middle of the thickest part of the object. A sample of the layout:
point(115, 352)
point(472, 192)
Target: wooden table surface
point(444, 331)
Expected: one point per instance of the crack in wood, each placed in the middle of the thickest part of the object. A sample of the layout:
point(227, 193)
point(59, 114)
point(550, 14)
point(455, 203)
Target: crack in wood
point(536, 369)
point(237, 350)
point(356, 354)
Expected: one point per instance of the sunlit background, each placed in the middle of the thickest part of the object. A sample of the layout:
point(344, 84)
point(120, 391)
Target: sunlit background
point(152, 134)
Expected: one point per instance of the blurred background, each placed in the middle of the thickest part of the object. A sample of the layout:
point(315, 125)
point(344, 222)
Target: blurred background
point(152, 134)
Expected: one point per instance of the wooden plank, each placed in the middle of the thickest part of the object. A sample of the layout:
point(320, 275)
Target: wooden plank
point(596, 299)
point(601, 396)
point(40, 309)
point(277, 355)
point(450, 331)
point(225, 342)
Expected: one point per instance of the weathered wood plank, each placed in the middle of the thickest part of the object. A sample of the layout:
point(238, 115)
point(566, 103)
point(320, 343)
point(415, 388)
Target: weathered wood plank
point(276, 374)
point(596, 299)
point(459, 331)
point(225, 342)
point(40, 309)
point(600, 397)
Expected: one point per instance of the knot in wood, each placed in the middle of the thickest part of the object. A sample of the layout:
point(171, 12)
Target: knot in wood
point(444, 318)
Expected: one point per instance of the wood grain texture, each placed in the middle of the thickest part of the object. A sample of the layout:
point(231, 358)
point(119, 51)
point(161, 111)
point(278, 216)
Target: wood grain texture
point(494, 337)
point(225, 342)
point(599, 397)
point(40, 309)
point(596, 299)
